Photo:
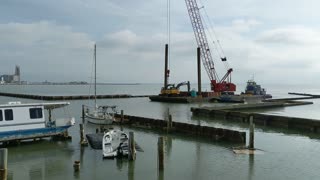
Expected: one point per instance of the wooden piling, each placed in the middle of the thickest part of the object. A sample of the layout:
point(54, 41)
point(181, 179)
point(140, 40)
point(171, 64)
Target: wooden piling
point(83, 141)
point(121, 120)
point(160, 154)
point(83, 114)
point(251, 135)
point(132, 150)
point(76, 166)
point(3, 163)
point(50, 114)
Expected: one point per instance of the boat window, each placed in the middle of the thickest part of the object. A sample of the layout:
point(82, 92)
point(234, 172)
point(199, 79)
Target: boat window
point(35, 113)
point(8, 114)
point(1, 117)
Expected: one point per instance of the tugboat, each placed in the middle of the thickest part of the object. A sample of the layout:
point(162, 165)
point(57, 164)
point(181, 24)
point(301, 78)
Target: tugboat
point(253, 93)
point(253, 88)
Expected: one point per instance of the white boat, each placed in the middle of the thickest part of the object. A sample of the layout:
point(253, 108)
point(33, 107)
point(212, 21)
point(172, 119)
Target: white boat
point(115, 143)
point(27, 121)
point(102, 115)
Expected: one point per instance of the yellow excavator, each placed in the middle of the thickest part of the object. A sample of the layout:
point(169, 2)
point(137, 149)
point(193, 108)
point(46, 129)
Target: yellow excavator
point(172, 90)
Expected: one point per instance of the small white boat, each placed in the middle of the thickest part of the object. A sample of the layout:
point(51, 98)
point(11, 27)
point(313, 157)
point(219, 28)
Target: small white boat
point(115, 143)
point(27, 121)
point(102, 115)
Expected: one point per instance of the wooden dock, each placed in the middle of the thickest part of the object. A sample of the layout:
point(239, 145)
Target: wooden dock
point(217, 134)
point(66, 97)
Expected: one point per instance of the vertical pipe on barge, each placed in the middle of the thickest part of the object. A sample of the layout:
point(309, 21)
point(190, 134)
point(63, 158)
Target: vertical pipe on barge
point(199, 71)
point(166, 71)
point(3, 163)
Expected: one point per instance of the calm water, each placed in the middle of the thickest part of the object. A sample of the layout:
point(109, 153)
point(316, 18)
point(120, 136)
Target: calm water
point(288, 154)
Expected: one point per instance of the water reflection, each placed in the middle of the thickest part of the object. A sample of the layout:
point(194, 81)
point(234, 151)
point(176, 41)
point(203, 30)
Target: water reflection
point(40, 160)
point(168, 145)
point(251, 167)
point(131, 165)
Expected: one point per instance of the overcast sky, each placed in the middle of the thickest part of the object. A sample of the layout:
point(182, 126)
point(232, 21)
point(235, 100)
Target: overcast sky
point(274, 41)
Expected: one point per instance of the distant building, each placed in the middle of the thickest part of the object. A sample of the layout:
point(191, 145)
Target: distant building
point(15, 78)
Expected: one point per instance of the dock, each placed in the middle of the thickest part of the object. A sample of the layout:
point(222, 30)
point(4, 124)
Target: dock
point(217, 134)
point(185, 99)
point(237, 113)
point(67, 97)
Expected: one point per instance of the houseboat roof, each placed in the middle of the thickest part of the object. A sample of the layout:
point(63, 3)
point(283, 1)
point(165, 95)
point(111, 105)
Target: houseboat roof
point(51, 105)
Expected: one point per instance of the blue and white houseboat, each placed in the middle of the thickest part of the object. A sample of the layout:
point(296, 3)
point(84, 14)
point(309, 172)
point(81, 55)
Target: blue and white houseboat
point(27, 121)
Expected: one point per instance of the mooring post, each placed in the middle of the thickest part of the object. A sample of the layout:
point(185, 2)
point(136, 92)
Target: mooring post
point(3, 163)
point(76, 166)
point(160, 154)
point(83, 114)
point(83, 141)
point(132, 150)
point(251, 136)
point(121, 120)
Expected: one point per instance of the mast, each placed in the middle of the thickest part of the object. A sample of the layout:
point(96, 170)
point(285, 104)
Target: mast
point(95, 77)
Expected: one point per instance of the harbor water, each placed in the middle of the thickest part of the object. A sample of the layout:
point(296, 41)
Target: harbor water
point(287, 154)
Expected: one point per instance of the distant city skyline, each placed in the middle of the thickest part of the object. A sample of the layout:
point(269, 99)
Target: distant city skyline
point(11, 78)
point(53, 40)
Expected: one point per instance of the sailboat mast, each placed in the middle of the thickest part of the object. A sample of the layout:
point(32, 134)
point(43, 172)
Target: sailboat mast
point(95, 76)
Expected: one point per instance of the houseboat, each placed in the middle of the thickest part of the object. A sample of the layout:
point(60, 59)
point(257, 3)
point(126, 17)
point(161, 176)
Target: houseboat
point(20, 121)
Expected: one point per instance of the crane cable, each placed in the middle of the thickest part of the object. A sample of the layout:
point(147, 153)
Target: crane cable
point(218, 44)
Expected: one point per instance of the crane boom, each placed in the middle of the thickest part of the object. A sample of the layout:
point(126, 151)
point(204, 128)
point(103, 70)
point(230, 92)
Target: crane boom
point(199, 32)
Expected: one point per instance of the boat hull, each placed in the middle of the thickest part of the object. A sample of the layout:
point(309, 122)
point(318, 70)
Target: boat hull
point(32, 133)
point(98, 120)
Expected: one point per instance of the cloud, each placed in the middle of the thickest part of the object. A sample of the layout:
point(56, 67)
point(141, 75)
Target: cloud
point(291, 36)
point(44, 50)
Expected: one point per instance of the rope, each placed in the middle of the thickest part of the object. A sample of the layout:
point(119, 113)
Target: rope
point(217, 44)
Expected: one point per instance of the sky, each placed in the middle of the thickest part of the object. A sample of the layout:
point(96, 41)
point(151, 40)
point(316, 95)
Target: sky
point(271, 41)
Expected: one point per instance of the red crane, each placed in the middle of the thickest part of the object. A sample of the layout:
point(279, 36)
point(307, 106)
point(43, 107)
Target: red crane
point(217, 85)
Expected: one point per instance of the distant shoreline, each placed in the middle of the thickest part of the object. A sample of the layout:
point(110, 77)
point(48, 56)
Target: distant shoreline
point(74, 84)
